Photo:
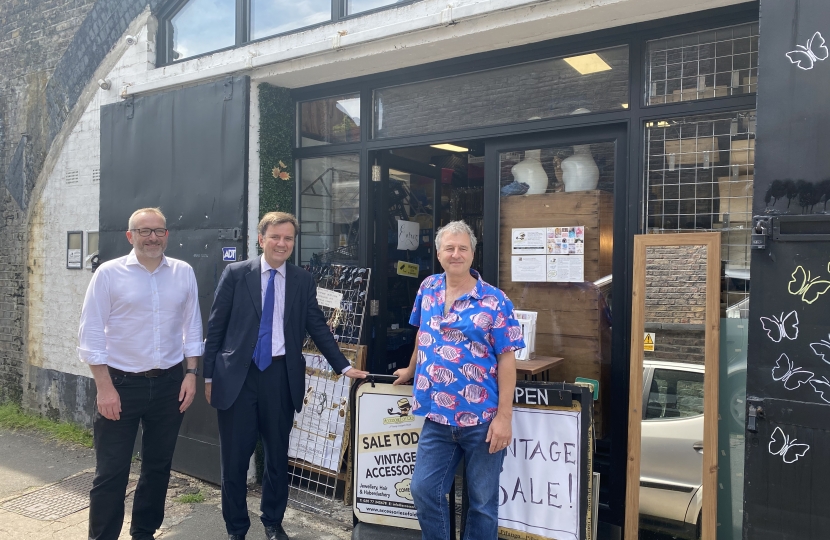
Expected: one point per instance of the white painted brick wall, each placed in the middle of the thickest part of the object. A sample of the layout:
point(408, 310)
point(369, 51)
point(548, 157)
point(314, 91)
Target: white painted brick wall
point(56, 293)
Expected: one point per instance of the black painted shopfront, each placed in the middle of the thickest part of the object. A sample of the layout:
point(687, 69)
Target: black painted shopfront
point(665, 112)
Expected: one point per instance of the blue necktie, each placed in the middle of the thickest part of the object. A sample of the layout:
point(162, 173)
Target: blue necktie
point(262, 352)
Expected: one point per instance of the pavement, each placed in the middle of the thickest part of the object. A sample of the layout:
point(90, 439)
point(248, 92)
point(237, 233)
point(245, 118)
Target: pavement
point(30, 462)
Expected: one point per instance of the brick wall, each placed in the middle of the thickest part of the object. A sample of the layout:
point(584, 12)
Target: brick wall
point(49, 51)
point(33, 37)
point(676, 284)
point(676, 303)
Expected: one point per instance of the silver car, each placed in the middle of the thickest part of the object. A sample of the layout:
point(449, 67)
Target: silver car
point(671, 466)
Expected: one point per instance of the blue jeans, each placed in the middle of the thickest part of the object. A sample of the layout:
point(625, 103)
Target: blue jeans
point(440, 449)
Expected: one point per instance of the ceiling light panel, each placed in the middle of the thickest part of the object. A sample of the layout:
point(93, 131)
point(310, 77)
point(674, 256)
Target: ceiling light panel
point(586, 64)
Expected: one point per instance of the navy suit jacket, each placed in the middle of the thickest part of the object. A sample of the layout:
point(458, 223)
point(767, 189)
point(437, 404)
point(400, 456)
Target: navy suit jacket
point(233, 328)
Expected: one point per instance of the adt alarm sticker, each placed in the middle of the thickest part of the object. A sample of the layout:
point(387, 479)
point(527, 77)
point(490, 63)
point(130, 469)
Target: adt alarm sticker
point(229, 254)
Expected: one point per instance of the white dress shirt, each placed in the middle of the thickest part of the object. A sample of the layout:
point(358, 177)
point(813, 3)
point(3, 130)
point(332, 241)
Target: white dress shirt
point(278, 328)
point(135, 320)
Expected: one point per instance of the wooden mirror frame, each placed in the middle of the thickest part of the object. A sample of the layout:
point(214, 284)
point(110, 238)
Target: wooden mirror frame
point(710, 386)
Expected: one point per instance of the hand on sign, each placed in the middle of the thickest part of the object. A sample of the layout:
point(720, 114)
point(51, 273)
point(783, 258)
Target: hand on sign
point(356, 374)
point(500, 433)
point(404, 375)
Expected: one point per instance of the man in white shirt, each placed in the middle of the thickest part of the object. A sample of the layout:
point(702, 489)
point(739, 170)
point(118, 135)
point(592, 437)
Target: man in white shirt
point(140, 319)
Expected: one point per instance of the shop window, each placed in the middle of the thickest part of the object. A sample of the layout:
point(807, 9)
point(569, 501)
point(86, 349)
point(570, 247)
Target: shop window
point(675, 393)
point(330, 121)
point(715, 63)
point(272, 17)
point(359, 6)
point(591, 82)
point(330, 209)
point(201, 26)
point(699, 174)
point(556, 220)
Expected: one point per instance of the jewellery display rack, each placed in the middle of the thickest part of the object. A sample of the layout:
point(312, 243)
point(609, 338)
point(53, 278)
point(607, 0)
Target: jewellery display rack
point(319, 441)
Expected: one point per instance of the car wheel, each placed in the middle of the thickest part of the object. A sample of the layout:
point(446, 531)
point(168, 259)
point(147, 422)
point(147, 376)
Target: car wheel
point(699, 528)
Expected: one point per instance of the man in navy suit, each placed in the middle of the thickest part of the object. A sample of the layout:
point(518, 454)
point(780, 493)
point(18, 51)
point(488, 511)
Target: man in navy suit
point(261, 311)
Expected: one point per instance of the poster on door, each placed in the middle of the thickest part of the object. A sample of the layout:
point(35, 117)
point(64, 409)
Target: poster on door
point(551, 254)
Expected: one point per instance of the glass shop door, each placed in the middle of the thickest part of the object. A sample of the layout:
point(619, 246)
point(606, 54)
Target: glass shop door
point(556, 246)
point(407, 209)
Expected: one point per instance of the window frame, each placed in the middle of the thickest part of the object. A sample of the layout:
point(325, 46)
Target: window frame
point(242, 24)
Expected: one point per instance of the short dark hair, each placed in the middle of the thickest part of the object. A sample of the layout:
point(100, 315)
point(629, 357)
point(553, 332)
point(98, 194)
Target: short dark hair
point(277, 218)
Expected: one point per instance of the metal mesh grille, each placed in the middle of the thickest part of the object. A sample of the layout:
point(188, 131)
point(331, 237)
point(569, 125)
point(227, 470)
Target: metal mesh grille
point(56, 501)
point(699, 176)
point(715, 63)
point(319, 438)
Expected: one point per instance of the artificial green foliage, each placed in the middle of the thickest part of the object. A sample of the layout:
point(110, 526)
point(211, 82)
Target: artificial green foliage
point(276, 145)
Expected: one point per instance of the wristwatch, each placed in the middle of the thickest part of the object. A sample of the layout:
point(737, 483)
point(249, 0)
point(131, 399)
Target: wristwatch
point(194, 371)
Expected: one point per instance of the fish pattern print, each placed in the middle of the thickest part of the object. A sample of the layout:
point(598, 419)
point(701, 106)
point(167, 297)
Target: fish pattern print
point(456, 379)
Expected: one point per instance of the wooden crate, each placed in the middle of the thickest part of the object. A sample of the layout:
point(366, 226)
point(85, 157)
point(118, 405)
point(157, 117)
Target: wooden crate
point(571, 321)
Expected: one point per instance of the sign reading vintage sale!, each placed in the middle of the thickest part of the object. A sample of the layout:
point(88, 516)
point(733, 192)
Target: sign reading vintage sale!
point(541, 491)
point(386, 445)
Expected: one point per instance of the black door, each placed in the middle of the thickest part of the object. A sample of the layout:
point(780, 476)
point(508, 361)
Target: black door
point(185, 151)
point(408, 191)
point(788, 384)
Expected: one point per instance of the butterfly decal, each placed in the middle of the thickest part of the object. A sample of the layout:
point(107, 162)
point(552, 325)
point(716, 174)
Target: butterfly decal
point(822, 348)
point(792, 377)
point(781, 327)
point(806, 57)
point(822, 388)
point(781, 445)
point(806, 286)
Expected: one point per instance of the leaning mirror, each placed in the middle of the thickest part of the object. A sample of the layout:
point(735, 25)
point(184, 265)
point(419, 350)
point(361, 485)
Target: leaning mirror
point(673, 400)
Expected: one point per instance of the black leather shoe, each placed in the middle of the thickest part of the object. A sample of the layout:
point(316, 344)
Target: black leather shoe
point(236, 537)
point(276, 532)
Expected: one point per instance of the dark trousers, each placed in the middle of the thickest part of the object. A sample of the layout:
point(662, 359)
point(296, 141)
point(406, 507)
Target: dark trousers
point(153, 402)
point(263, 408)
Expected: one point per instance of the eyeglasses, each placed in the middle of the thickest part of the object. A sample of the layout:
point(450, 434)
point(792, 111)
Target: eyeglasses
point(146, 232)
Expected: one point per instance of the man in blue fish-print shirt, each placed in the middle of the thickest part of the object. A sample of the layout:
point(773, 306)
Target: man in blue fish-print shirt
point(464, 367)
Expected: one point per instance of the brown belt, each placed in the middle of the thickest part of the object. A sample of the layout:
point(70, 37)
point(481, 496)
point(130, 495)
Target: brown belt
point(149, 373)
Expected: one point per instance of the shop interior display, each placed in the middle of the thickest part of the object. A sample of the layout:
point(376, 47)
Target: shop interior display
point(580, 171)
point(529, 171)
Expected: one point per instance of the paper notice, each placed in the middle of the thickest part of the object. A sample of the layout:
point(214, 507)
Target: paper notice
point(565, 240)
point(329, 298)
point(408, 235)
point(528, 241)
point(527, 268)
point(566, 268)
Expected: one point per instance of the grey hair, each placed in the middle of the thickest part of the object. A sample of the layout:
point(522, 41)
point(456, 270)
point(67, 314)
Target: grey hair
point(455, 227)
point(156, 211)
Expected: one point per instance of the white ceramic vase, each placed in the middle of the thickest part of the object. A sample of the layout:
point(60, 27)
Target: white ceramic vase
point(580, 171)
point(529, 171)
